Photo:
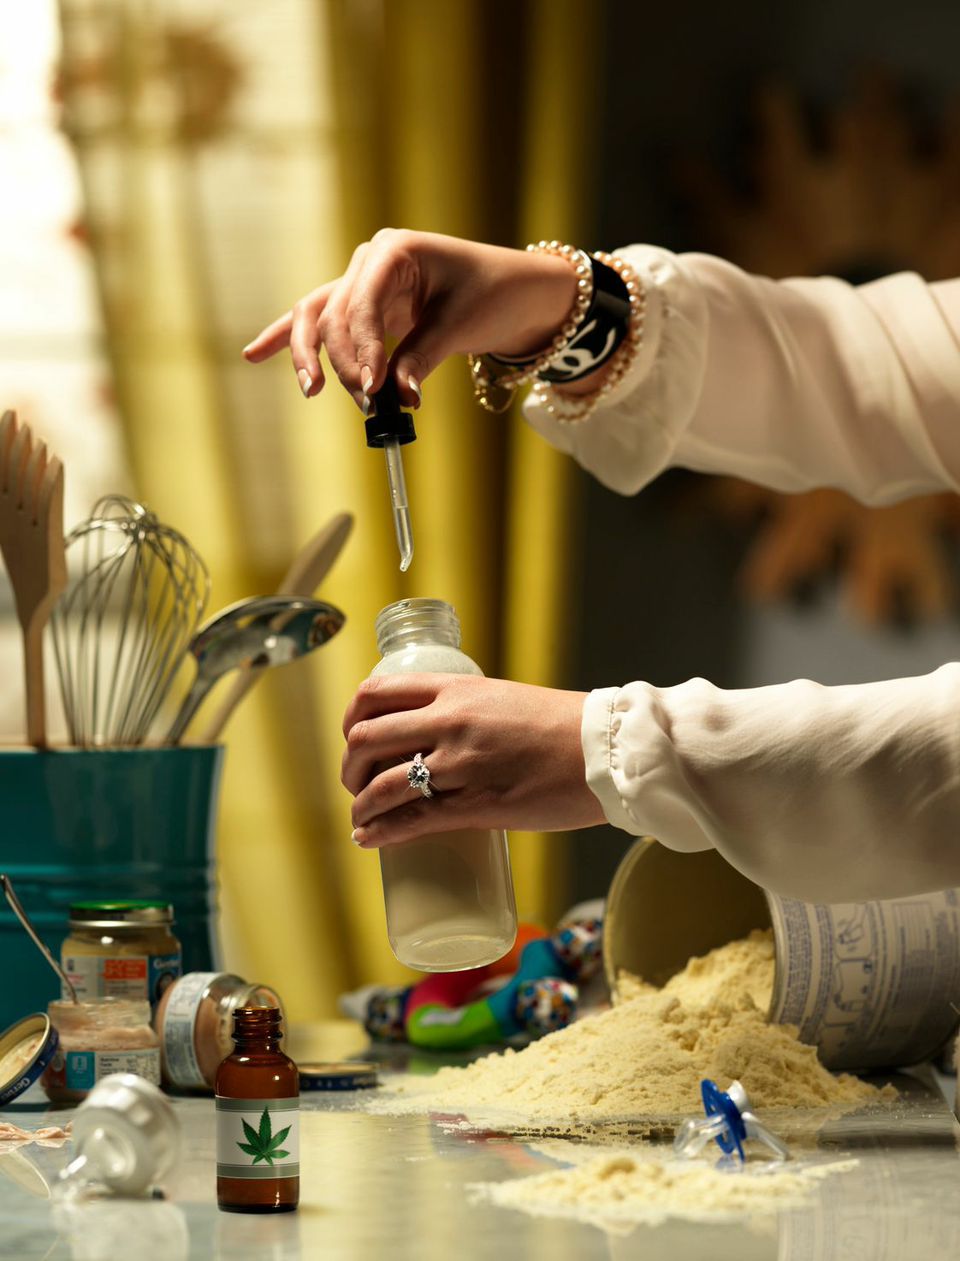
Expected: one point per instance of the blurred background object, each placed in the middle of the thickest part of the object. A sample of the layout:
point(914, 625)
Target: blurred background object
point(178, 173)
point(229, 156)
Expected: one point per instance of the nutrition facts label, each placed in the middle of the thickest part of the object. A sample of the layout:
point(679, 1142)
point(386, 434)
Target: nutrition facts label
point(83, 1069)
point(121, 976)
point(870, 983)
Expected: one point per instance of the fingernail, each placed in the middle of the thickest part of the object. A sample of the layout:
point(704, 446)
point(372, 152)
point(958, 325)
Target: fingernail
point(355, 838)
point(306, 381)
point(366, 379)
point(249, 346)
point(414, 385)
point(365, 405)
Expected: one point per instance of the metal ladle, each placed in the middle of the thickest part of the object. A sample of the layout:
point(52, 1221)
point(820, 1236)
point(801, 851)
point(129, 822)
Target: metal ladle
point(7, 885)
point(260, 631)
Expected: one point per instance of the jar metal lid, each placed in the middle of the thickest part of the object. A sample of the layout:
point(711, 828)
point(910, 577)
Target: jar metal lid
point(118, 914)
point(16, 1035)
point(345, 1075)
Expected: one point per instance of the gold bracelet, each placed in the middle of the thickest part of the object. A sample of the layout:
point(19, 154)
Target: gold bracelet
point(567, 407)
point(496, 378)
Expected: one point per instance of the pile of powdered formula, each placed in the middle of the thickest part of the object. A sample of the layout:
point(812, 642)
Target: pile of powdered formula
point(647, 1055)
point(622, 1189)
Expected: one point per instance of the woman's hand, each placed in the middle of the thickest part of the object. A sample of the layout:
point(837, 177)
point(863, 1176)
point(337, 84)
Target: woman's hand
point(437, 295)
point(501, 755)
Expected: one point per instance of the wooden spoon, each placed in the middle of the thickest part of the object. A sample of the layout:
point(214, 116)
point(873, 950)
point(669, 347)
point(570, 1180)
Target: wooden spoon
point(310, 566)
point(31, 542)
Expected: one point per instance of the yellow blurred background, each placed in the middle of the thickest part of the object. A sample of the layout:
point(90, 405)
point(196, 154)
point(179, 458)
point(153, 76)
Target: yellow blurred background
point(197, 167)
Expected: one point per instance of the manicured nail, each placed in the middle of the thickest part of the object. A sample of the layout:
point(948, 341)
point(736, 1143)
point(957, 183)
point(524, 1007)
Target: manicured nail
point(306, 382)
point(354, 838)
point(249, 346)
point(366, 379)
point(414, 385)
point(365, 405)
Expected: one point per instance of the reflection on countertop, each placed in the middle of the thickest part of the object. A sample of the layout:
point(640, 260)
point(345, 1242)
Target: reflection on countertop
point(381, 1185)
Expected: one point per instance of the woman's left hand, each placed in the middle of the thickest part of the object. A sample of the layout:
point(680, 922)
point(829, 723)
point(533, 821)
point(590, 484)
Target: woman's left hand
point(501, 755)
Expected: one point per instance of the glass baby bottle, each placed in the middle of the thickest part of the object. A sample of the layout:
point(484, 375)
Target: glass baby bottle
point(448, 896)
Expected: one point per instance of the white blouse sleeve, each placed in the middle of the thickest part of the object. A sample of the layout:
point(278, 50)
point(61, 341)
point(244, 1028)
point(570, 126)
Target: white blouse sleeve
point(829, 794)
point(821, 793)
point(792, 384)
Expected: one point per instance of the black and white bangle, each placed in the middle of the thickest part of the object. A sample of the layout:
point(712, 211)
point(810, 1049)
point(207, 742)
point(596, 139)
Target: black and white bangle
point(574, 407)
point(496, 378)
point(605, 321)
point(601, 333)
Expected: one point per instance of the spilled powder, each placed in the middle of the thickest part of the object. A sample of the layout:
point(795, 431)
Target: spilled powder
point(741, 968)
point(621, 1189)
point(646, 1056)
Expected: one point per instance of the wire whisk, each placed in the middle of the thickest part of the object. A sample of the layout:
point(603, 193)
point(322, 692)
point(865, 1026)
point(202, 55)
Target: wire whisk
point(136, 594)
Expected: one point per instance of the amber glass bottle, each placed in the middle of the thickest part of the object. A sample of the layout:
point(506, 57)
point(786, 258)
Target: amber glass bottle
point(258, 1119)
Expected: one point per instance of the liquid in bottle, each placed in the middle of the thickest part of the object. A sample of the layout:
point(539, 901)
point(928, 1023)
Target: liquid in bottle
point(449, 897)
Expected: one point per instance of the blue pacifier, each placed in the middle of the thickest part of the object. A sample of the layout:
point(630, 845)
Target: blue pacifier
point(729, 1121)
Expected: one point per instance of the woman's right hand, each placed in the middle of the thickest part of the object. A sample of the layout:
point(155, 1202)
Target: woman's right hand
point(437, 295)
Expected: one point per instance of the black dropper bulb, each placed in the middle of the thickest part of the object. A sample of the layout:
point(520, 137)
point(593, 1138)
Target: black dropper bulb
point(388, 419)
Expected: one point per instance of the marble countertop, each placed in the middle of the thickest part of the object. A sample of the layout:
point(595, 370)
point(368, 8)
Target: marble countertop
point(382, 1186)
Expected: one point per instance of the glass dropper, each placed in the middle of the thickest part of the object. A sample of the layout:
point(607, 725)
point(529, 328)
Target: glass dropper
point(398, 498)
point(389, 427)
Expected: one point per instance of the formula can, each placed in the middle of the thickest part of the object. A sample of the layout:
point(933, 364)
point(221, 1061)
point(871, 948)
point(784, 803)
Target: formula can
point(870, 984)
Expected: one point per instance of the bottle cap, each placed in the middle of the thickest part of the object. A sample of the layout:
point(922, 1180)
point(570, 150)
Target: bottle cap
point(345, 1075)
point(388, 419)
point(26, 1048)
point(116, 914)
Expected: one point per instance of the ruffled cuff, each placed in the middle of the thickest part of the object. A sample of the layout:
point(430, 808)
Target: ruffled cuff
point(631, 436)
point(633, 769)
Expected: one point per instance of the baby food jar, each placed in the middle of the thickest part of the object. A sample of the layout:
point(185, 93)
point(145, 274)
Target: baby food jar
point(121, 950)
point(99, 1037)
point(194, 1021)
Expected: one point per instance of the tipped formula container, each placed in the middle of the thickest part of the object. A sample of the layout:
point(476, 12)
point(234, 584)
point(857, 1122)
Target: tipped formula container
point(870, 984)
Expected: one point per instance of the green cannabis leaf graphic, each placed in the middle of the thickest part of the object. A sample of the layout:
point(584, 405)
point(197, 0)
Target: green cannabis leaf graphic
point(263, 1145)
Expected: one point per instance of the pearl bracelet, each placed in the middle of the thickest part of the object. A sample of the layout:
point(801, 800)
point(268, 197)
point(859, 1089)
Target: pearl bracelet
point(576, 407)
point(495, 378)
point(494, 389)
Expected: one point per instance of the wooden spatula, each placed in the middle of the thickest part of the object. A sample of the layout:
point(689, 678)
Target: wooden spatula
point(31, 543)
point(307, 570)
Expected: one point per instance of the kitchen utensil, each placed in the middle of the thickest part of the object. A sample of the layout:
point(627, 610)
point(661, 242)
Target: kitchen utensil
point(7, 885)
point(260, 631)
point(31, 541)
point(309, 568)
point(124, 625)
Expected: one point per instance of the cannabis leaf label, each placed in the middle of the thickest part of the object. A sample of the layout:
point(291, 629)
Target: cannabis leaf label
point(263, 1144)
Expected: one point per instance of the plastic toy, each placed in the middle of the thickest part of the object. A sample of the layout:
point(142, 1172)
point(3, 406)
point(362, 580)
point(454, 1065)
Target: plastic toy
point(533, 990)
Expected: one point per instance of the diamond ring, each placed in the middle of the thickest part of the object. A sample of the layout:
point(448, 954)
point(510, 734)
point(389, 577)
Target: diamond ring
point(418, 775)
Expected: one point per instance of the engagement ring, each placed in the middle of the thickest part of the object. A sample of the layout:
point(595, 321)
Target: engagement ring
point(418, 775)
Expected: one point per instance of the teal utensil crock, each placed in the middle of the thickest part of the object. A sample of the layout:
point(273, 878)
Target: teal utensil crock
point(96, 824)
